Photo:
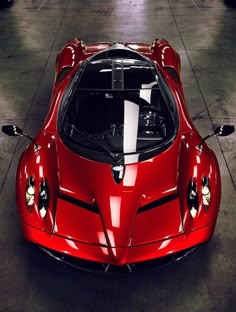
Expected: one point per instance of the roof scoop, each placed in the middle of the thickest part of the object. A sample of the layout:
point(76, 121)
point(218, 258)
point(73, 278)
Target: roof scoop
point(118, 45)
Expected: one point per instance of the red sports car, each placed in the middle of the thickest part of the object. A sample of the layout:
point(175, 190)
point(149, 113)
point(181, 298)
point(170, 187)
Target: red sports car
point(118, 174)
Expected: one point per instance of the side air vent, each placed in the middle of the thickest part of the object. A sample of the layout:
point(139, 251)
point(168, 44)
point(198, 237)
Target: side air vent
point(172, 72)
point(63, 73)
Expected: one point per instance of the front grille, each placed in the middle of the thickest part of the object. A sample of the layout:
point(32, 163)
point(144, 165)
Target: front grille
point(104, 267)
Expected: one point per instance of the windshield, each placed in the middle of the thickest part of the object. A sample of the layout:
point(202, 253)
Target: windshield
point(118, 108)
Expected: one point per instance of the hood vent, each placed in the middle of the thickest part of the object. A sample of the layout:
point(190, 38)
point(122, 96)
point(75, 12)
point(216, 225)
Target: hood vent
point(158, 202)
point(79, 203)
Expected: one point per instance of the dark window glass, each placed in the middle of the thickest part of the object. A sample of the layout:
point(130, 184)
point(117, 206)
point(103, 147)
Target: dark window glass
point(120, 106)
point(116, 74)
point(96, 76)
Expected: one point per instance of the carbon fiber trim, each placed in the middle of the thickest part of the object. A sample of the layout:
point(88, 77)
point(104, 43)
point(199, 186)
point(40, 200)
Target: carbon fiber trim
point(96, 267)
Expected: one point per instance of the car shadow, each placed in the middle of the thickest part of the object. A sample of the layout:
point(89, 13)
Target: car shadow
point(159, 287)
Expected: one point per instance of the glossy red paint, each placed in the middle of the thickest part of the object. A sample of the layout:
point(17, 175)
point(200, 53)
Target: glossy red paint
point(77, 178)
point(165, 56)
point(75, 222)
point(195, 165)
point(148, 222)
point(40, 165)
point(119, 233)
point(116, 255)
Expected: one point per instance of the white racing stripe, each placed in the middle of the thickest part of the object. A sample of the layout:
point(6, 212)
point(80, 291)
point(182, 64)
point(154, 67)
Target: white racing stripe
point(146, 90)
point(131, 118)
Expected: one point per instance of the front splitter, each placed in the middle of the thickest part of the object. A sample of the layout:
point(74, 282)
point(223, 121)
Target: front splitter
point(67, 250)
point(91, 266)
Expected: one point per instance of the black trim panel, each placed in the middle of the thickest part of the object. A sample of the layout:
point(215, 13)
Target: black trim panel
point(97, 267)
point(158, 202)
point(79, 203)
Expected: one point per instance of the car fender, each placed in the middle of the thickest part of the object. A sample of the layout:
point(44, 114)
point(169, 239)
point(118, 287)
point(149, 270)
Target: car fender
point(167, 58)
point(195, 164)
point(68, 58)
point(40, 164)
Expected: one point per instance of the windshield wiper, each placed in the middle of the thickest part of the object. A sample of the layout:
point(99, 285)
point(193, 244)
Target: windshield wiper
point(118, 160)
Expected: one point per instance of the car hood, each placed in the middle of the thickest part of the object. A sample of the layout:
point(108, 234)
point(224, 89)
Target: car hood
point(142, 208)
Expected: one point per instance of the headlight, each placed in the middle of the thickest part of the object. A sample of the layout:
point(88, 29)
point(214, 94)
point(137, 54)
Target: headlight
point(192, 198)
point(43, 198)
point(30, 193)
point(206, 192)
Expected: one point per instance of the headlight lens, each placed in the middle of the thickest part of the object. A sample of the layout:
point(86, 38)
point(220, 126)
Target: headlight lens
point(192, 198)
point(30, 193)
point(43, 198)
point(206, 192)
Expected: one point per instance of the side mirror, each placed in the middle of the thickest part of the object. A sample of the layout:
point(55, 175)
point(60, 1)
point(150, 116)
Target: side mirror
point(224, 130)
point(12, 130)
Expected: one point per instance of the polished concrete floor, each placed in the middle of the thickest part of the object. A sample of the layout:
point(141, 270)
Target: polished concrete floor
point(31, 34)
